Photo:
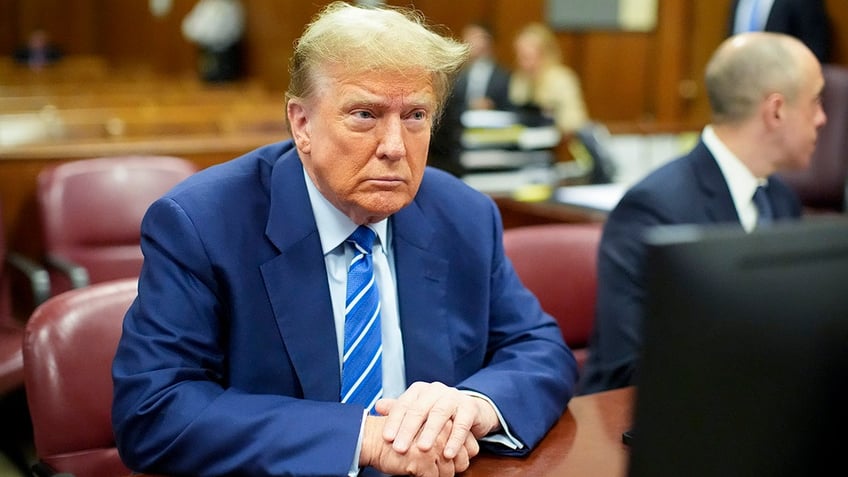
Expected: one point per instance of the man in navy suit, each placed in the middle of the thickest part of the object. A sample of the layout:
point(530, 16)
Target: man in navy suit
point(765, 94)
point(231, 358)
point(481, 84)
point(806, 20)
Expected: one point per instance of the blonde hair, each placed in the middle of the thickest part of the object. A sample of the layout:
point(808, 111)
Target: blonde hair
point(748, 67)
point(546, 40)
point(366, 39)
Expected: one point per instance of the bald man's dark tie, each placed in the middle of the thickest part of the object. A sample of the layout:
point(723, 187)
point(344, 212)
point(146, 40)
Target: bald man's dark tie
point(765, 212)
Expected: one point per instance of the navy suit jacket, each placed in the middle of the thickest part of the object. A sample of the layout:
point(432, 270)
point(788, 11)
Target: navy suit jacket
point(228, 362)
point(688, 190)
point(806, 20)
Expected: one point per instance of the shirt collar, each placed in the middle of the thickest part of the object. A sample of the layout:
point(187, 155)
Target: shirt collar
point(740, 181)
point(334, 227)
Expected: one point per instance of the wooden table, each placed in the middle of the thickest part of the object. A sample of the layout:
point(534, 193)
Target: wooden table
point(585, 442)
point(516, 213)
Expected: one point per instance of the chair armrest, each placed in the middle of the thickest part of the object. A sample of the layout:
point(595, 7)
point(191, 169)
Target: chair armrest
point(39, 279)
point(77, 274)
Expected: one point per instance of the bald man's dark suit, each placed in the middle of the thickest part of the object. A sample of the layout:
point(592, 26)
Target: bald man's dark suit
point(689, 190)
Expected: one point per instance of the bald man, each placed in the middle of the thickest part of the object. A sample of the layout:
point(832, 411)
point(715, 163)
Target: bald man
point(765, 95)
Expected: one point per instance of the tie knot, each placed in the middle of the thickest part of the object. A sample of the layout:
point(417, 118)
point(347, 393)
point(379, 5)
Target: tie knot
point(363, 239)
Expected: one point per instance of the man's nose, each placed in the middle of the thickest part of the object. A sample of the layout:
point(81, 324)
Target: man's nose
point(391, 143)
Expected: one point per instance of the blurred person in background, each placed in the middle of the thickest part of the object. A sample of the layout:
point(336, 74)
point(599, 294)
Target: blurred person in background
point(541, 79)
point(481, 84)
point(806, 20)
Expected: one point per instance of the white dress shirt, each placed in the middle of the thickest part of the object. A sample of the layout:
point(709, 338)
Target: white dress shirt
point(740, 181)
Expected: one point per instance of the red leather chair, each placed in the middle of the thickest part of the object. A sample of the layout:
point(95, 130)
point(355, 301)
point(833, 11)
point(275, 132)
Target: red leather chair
point(91, 213)
point(558, 263)
point(822, 186)
point(69, 344)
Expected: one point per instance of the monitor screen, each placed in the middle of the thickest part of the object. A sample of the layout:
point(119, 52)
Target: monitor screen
point(744, 370)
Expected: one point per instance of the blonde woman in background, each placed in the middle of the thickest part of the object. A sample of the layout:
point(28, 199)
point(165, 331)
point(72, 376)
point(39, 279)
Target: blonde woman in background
point(542, 80)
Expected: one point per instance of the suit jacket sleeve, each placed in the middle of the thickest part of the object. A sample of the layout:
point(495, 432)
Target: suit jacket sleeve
point(493, 336)
point(621, 293)
point(529, 373)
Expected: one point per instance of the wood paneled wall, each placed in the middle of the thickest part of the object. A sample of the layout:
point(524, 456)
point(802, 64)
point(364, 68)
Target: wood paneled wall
point(636, 78)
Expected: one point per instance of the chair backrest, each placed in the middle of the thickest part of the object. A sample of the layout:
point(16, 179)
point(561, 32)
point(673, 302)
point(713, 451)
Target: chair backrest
point(91, 209)
point(69, 344)
point(822, 185)
point(558, 263)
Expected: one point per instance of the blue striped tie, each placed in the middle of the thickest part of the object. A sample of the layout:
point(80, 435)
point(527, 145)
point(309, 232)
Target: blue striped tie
point(362, 374)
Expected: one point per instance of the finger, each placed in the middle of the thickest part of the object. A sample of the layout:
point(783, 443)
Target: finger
point(429, 407)
point(447, 468)
point(384, 406)
point(472, 447)
point(397, 412)
point(466, 415)
point(462, 460)
point(408, 429)
point(440, 414)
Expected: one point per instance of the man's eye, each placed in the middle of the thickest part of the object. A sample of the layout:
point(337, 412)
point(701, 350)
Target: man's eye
point(419, 115)
point(363, 114)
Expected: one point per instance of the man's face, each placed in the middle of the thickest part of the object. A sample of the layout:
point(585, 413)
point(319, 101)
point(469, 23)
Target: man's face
point(805, 117)
point(478, 41)
point(363, 139)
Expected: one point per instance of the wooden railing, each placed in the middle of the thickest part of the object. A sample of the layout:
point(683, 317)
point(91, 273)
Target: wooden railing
point(84, 109)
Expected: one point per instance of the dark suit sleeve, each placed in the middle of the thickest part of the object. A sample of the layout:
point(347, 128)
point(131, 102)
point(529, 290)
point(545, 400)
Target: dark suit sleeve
point(174, 410)
point(617, 336)
point(529, 372)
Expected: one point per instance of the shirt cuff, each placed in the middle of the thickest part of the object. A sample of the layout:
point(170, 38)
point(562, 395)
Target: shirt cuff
point(354, 466)
point(504, 438)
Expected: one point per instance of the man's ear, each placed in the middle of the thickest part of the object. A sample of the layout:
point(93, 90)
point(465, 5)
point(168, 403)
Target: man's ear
point(299, 124)
point(774, 110)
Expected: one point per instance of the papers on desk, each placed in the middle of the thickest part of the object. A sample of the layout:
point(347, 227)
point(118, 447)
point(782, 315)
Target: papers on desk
point(488, 119)
point(502, 129)
point(475, 160)
point(507, 182)
point(515, 136)
point(597, 196)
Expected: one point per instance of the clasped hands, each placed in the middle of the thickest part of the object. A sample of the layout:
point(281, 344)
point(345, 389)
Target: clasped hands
point(430, 430)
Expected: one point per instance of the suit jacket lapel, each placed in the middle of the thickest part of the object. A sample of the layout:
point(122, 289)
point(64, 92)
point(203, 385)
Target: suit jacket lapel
point(718, 204)
point(296, 282)
point(421, 283)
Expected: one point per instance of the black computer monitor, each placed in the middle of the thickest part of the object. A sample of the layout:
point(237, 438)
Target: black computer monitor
point(744, 370)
